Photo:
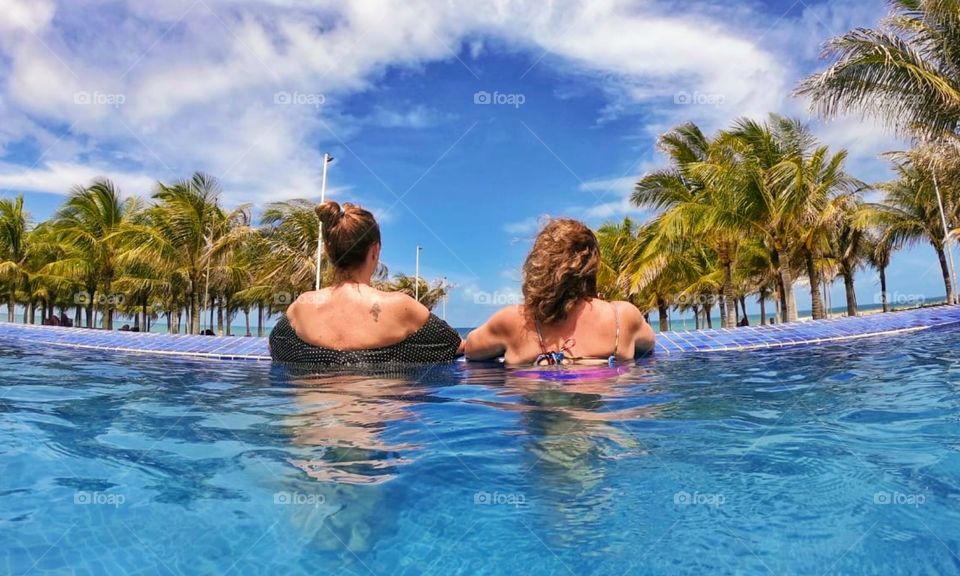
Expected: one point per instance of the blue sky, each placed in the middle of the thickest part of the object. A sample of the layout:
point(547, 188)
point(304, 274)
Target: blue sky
point(461, 124)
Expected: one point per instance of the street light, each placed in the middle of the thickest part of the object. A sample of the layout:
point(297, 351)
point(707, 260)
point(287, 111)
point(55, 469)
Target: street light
point(416, 281)
point(327, 159)
point(446, 289)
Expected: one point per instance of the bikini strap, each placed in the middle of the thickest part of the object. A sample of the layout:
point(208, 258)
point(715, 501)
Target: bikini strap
point(612, 360)
point(543, 347)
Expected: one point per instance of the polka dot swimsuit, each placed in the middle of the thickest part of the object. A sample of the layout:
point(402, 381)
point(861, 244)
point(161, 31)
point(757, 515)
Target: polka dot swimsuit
point(435, 342)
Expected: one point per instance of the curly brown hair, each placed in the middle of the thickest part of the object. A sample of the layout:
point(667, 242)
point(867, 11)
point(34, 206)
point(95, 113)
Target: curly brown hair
point(348, 234)
point(560, 270)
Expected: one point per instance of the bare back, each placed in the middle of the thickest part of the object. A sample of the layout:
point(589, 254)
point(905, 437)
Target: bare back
point(354, 316)
point(594, 329)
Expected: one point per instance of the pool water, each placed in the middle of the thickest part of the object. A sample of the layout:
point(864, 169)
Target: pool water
point(838, 459)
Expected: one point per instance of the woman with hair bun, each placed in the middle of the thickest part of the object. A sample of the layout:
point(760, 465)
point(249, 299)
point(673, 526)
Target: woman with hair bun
point(562, 320)
point(351, 322)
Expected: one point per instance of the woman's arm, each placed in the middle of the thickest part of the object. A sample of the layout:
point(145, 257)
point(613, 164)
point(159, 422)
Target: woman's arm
point(489, 341)
point(645, 339)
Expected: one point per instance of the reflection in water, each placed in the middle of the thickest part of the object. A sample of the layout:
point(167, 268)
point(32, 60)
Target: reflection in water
point(340, 424)
point(575, 431)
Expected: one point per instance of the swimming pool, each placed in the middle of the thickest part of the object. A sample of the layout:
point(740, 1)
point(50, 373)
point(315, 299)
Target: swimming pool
point(843, 458)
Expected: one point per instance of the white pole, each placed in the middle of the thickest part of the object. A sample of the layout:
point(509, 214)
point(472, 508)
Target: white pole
point(323, 197)
point(947, 243)
point(445, 294)
point(416, 287)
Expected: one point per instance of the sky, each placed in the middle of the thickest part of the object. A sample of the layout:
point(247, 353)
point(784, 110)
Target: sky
point(461, 124)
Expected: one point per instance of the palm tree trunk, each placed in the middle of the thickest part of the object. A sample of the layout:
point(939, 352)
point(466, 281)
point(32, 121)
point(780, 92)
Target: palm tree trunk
point(743, 306)
point(708, 313)
point(851, 293)
point(11, 305)
point(787, 296)
point(194, 314)
point(945, 270)
point(260, 320)
point(246, 314)
point(883, 289)
point(723, 311)
point(696, 317)
point(27, 307)
point(32, 307)
point(763, 307)
point(816, 301)
point(730, 299)
point(228, 317)
point(220, 331)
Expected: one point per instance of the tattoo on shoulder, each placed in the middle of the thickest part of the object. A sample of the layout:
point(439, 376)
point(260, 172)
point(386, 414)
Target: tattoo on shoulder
point(375, 311)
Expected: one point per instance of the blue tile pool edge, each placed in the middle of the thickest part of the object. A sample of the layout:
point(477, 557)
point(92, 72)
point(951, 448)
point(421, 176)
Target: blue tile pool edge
point(668, 344)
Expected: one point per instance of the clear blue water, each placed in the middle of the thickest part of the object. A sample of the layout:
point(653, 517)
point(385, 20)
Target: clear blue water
point(840, 459)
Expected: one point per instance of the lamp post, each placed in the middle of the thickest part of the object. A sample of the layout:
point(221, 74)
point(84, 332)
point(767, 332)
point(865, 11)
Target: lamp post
point(416, 280)
point(323, 197)
point(446, 289)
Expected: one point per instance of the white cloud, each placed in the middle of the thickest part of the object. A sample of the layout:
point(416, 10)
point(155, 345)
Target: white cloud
point(61, 178)
point(199, 80)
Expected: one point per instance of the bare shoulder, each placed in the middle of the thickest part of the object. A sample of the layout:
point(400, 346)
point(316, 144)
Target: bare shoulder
point(628, 311)
point(307, 301)
point(404, 307)
point(505, 320)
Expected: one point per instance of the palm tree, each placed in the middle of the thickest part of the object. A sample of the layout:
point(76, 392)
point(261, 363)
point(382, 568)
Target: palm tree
point(618, 251)
point(180, 235)
point(879, 251)
point(829, 190)
point(910, 213)
point(87, 226)
point(850, 250)
point(430, 293)
point(757, 169)
point(14, 224)
point(905, 73)
point(691, 206)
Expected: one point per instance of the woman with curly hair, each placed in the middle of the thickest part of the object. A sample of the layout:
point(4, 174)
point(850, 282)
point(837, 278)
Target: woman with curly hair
point(562, 319)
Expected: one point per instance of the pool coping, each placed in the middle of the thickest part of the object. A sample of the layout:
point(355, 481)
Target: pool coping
point(750, 338)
